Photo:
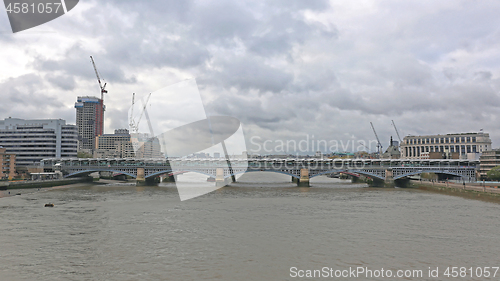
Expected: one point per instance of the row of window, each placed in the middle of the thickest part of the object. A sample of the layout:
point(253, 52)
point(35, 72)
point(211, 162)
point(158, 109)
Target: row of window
point(462, 149)
point(442, 140)
point(28, 132)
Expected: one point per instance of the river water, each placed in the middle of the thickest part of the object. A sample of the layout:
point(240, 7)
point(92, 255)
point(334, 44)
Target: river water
point(256, 230)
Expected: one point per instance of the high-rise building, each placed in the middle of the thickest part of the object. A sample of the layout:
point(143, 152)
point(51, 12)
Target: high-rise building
point(89, 120)
point(33, 140)
point(462, 146)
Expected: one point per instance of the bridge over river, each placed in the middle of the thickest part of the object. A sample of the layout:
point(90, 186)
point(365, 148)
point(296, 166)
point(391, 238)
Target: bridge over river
point(301, 170)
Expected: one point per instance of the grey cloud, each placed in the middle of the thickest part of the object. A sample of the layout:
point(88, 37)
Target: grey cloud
point(247, 73)
point(64, 82)
point(433, 68)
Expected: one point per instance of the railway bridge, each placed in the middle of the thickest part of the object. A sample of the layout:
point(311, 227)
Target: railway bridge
point(301, 170)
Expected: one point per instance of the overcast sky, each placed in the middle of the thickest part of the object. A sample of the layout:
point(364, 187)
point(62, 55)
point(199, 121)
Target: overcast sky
point(286, 69)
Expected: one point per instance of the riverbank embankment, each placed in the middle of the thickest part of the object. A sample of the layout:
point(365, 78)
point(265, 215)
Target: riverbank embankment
point(42, 183)
point(464, 189)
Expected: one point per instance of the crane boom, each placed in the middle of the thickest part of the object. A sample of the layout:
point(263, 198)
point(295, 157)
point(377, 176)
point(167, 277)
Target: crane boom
point(131, 118)
point(367, 148)
point(144, 112)
point(400, 141)
point(379, 145)
point(103, 88)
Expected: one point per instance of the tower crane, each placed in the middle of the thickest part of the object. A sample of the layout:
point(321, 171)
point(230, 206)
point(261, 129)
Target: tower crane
point(102, 87)
point(367, 148)
point(400, 141)
point(379, 145)
point(135, 125)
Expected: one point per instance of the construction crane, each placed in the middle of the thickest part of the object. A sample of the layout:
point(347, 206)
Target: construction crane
point(135, 125)
point(367, 149)
point(379, 145)
point(103, 88)
point(400, 141)
point(131, 121)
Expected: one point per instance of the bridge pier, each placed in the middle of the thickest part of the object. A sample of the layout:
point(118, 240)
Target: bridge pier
point(304, 178)
point(140, 179)
point(219, 177)
point(389, 178)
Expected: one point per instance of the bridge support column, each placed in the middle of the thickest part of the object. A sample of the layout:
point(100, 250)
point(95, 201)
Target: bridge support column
point(304, 178)
point(219, 177)
point(140, 179)
point(389, 178)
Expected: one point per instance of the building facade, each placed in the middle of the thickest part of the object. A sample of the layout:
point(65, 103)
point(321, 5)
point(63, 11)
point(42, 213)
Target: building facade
point(89, 120)
point(460, 146)
point(33, 140)
point(117, 145)
point(7, 164)
point(146, 147)
point(488, 160)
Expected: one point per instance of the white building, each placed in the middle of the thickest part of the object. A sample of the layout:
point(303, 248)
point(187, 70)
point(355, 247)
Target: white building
point(464, 146)
point(33, 140)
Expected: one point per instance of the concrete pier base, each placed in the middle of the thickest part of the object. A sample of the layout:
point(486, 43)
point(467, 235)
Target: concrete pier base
point(304, 178)
point(219, 177)
point(140, 179)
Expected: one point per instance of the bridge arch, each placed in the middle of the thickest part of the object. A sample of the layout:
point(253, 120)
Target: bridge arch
point(428, 171)
point(351, 172)
point(265, 171)
point(174, 171)
point(87, 172)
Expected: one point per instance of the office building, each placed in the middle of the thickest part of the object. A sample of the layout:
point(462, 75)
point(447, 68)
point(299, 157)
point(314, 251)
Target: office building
point(146, 147)
point(90, 121)
point(488, 160)
point(117, 145)
point(33, 140)
point(7, 164)
point(450, 146)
